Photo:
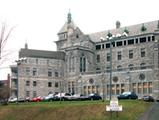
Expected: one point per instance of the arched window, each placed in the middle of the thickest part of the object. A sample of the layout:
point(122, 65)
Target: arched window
point(82, 63)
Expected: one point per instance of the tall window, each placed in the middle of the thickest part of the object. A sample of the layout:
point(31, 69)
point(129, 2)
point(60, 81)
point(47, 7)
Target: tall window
point(49, 84)
point(27, 83)
point(143, 52)
point(130, 54)
point(56, 84)
point(108, 57)
point(98, 58)
point(71, 64)
point(119, 55)
point(27, 70)
point(34, 83)
point(56, 74)
point(27, 93)
point(131, 67)
point(49, 72)
point(34, 71)
point(82, 64)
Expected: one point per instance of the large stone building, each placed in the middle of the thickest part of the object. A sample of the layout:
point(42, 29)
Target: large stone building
point(84, 63)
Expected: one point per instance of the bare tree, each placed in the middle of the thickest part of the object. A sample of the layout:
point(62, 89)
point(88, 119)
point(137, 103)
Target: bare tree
point(4, 35)
point(4, 93)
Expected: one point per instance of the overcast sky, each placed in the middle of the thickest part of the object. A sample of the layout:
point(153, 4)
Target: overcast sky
point(38, 21)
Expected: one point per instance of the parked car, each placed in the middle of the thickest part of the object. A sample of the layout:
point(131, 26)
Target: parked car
point(63, 96)
point(36, 99)
point(49, 97)
point(94, 96)
point(22, 100)
point(127, 95)
point(12, 99)
point(148, 98)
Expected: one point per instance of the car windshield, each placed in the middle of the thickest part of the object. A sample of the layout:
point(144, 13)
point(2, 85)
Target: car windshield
point(126, 93)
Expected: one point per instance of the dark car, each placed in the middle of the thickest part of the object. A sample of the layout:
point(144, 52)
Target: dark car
point(127, 95)
point(148, 98)
point(94, 96)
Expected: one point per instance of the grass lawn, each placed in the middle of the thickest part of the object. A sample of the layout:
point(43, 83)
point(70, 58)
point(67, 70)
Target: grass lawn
point(71, 110)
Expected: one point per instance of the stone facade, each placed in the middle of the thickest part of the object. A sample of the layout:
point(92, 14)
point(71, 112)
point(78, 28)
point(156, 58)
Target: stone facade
point(84, 66)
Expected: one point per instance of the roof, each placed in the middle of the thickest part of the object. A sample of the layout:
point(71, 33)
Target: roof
point(64, 28)
point(42, 54)
point(133, 30)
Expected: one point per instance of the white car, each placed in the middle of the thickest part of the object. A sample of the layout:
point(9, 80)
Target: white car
point(48, 97)
point(12, 100)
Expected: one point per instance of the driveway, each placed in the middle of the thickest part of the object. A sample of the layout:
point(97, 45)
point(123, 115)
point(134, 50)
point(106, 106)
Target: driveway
point(152, 113)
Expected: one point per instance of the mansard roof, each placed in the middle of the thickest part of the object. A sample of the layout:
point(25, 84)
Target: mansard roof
point(42, 54)
point(132, 30)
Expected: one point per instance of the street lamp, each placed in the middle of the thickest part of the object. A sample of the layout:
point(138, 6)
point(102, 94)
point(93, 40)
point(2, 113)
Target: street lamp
point(19, 61)
point(112, 38)
point(109, 37)
point(129, 78)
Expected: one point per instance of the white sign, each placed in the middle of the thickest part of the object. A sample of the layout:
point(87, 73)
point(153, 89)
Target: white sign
point(114, 106)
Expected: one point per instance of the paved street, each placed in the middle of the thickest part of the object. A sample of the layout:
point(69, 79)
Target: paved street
point(152, 113)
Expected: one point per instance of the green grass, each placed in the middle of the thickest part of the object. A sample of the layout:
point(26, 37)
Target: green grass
point(71, 110)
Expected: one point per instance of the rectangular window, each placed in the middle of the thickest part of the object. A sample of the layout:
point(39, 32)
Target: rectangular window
point(122, 88)
point(108, 69)
point(153, 38)
point(139, 88)
point(119, 55)
point(120, 43)
point(56, 74)
point(84, 64)
point(34, 71)
point(80, 64)
point(149, 38)
point(27, 70)
point(144, 88)
point(98, 47)
point(98, 58)
point(150, 87)
point(27, 83)
point(49, 72)
point(102, 46)
point(131, 42)
point(56, 84)
point(108, 45)
point(130, 54)
point(108, 57)
point(125, 42)
point(27, 93)
point(136, 40)
point(142, 39)
point(143, 52)
point(34, 83)
point(49, 84)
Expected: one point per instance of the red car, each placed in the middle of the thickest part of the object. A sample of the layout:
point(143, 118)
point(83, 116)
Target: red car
point(37, 99)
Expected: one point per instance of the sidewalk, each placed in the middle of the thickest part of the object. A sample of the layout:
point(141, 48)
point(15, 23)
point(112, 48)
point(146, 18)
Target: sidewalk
point(152, 113)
